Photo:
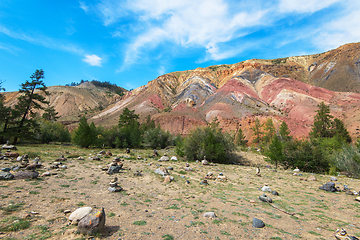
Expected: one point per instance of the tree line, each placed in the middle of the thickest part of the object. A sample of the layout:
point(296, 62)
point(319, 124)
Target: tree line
point(327, 149)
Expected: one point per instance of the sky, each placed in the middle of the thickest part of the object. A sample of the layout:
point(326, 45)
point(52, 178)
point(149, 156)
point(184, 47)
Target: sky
point(130, 43)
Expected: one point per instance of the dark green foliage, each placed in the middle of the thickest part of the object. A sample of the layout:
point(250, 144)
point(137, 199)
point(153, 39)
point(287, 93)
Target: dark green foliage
point(269, 131)
point(130, 133)
point(348, 160)
point(85, 134)
point(322, 127)
point(275, 152)
point(208, 141)
point(157, 137)
point(284, 132)
point(240, 138)
point(53, 132)
point(258, 134)
point(179, 145)
point(26, 125)
point(307, 156)
point(340, 131)
point(50, 114)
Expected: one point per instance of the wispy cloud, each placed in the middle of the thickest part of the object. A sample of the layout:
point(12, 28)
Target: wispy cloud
point(84, 7)
point(302, 6)
point(212, 25)
point(93, 60)
point(41, 40)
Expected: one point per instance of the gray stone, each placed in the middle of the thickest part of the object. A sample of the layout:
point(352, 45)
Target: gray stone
point(275, 193)
point(92, 223)
point(6, 169)
point(266, 189)
point(330, 187)
point(189, 169)
point(257, 223)
point(26, 175)
point(115, 189)
point(79, 214)
point(114, 169)
point(6, 176)
point(164, 159)
point(45, 174)
point(265, 199)
point(204, 162)
point(162, 171)
point(209, 215)
point(170, 168)
point(173, 158)
point(333, 179)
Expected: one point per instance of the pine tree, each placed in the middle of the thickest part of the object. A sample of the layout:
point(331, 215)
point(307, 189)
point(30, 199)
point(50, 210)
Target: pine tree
point(275, 152)
point(240, 138)
point(50, 114)
point(322, 122)
point(257, 131)
point(85, 134)
point(340, 130)
point(28, 101)
point(269, 130)
point(284, 132)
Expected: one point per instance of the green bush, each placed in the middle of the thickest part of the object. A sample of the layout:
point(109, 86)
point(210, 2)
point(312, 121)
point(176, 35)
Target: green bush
point(348, 160)
point(209, 141)
point(157, 137)
point(53, 132)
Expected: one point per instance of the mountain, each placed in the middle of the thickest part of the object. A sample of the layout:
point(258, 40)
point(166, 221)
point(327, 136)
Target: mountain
point(286, 89)
point(72, 102)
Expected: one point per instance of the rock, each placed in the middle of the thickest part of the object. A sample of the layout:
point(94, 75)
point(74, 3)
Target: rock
point(357, 199)
point(170, 168)
point(189, 169)
point(162, 171)
point(96, 158)
point(6, 176)
point(209, 215)
point(312, 178)
point(92, 223)
point(204, 182)
point(8, 147)
point(61, 159)
point(6, 169)
point(164, 159)
point(257, 223)
point(343, 235)
point(64, 167)
point(102, 152)
point(330, 187)
point(45, 174)
point(265, 199)
point(26, 175)
point(80, 158)
point(204, 162)
point(79, 214)
point(252, 201)
point(67, 211)
point(114, 169)
point(333, 179)
point(296, 170)
point(275, 193)
point(167, 179)
point(187, 182)
point(11, 154)
point(19, 159)
point(138, 173)
point(173, 158)
point(266, 189)
point(115, 189)
point(113, 184)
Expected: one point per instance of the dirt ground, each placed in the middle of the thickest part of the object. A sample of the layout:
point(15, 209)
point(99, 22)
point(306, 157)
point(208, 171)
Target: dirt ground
point(148, 208)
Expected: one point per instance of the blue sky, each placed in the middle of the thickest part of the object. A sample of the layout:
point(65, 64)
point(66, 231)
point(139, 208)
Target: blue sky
point(132, 42)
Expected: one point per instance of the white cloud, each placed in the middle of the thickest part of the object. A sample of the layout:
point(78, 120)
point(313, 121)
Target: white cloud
point(307, 6)
point(161, 70)
point(84, 7)
point(41, 40)
point(93, 60)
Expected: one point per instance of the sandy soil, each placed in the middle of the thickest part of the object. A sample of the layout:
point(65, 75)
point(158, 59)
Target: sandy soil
point(148, 208)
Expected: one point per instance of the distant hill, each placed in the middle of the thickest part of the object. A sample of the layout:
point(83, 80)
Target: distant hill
point(286, 89)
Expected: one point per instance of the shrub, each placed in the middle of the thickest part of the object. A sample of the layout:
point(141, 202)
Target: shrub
point(53, 132)
point(157, 137)
point(209, 141)
point(348, 160)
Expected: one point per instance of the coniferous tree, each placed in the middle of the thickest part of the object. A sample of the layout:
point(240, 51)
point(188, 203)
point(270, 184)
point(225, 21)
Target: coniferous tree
point(257, 131)
point(275, 152)
point(50, 114)
point(240, 138)
point(85, 134)
point(284, 132)
point(28, 101)
point(322, 122)
point(269, 131)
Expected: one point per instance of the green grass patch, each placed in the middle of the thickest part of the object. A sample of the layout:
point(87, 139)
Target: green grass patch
point(111, 214)
point(80, 204)
point(34, 192)
point(174, 206)
point(314, 233)
point(64, 185)
point(12, 208)
point(13, 224)
point(167, 237)
point(139, 223)
point(225, 233)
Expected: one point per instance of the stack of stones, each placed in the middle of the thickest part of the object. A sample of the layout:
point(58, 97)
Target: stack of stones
point(164, 158)
point(113, 186)
point(115, 166)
